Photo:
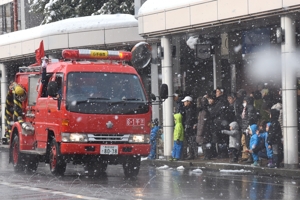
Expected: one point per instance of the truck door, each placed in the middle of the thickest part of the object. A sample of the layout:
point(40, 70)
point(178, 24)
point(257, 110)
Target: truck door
point(54, 104)
point(40, 110)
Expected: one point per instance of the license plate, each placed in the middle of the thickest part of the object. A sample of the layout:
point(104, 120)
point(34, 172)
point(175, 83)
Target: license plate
point(109, 149)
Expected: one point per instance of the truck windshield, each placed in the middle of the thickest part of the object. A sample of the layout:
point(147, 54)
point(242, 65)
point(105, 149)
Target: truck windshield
point(105, 93)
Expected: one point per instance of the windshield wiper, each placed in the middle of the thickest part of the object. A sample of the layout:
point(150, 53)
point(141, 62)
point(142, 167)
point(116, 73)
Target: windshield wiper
point(131, 99)
point(91, 100)
point(124, 100)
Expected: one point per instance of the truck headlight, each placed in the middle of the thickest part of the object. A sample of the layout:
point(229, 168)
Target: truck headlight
point(140, 138)
point(74, 137)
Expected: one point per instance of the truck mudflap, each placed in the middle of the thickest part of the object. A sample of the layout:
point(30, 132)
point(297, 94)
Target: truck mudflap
point(105, 149)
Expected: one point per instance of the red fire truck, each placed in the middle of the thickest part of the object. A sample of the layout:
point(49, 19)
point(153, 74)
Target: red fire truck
point(89, 108)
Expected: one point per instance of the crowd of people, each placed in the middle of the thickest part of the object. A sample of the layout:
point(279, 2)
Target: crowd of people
point(238, 125)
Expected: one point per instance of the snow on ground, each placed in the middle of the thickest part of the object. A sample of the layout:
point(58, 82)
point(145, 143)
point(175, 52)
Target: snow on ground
point(180, 168)
point(144, 158)
point(163, 167)
point(234, 171)
point(197, 171)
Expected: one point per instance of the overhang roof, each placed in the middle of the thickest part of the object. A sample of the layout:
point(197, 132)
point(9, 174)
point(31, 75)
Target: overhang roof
point(158, 18)
point(101, 31)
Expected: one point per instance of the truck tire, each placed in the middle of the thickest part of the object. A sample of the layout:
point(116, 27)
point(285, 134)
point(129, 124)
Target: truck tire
point(57, 164)
point(17, 156)
point(131, 166)
point(32, 164)
point(95, 168)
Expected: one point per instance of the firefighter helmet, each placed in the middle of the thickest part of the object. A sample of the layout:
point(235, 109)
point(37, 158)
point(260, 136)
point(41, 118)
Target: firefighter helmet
point(19, 90)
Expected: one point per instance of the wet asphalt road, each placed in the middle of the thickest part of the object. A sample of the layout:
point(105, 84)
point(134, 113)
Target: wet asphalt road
point(151, 183)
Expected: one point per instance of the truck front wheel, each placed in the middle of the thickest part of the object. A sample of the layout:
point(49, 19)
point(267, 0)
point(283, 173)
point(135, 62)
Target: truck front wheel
point(95, 168)
point(57, 164)
point(131, 166)
point(32, 163)
point(17, 156)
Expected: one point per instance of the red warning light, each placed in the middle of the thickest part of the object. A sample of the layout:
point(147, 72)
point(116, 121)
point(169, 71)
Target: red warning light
point(96, 54)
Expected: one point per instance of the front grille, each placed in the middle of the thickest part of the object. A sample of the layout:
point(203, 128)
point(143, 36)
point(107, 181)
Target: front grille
point(108, 138)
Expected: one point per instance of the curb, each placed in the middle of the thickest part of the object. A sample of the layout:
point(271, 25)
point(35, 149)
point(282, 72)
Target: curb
point(4, 147)
point(213, 166)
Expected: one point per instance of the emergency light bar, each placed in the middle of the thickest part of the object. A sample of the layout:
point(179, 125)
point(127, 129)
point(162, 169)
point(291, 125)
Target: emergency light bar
point(96, 54)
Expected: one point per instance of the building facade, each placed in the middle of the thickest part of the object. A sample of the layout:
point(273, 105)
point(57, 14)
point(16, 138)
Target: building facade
point(15, 15)
point(229, 43)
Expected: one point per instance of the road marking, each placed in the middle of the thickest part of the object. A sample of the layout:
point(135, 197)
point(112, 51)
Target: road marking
point(77, 196)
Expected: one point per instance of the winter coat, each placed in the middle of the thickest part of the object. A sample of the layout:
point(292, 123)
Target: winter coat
point(258, 105)
point(278, 106)
point(190, 116)
point(254, 140)
point(219, 112)
point(250, 115)
point(153, 134)
point(231, 113)
point(275, 134)
point(234, 135)
point(203, 128)
point(178, 129)
point(179, 106)
point(264, 137)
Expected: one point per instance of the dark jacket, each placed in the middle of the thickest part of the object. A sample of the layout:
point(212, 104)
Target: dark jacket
point(190, 116)
point(203, 125)
point(250, 114)
point(275, 133)
point(219, 112)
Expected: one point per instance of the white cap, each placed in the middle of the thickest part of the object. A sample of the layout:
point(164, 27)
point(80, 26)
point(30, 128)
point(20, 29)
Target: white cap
point(175, 95)
point(187, 98)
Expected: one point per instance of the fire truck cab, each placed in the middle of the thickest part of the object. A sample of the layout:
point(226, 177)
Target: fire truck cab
point(90, 108)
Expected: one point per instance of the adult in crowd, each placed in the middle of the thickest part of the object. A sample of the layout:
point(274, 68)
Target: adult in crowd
point(214, 137)
point(232, 109)
point(249, 117)
point(275, 138)
point(177, 96)
point(219, 116)
point(189, 127)
point(277, 100)
point(203, 128)
point(240, 95)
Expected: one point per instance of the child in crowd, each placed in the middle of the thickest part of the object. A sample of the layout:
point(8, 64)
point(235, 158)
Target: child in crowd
point(254, 142)
point(153, 137)
point(234, 140)
point(178, 137)
point(264, 151)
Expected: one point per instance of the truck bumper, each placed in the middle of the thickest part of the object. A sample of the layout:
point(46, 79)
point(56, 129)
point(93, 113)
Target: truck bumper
point(94, 149)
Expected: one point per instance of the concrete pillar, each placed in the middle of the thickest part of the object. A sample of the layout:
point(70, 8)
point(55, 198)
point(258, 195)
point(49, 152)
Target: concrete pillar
point(215, 71)
point(168, 124)
point(154, 81)
point(217, 64)
point(3, 97)
point(289, 93)
point(234, 45)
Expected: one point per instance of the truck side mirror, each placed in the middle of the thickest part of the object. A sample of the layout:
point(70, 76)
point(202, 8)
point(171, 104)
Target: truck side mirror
point(52, 89)
point(164, 91)
point(153, 97)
